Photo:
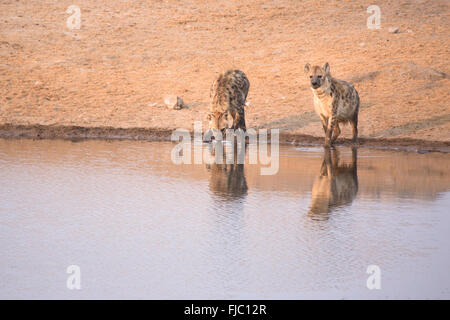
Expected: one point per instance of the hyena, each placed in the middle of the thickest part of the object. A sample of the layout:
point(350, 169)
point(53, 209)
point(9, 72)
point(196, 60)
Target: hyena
point(337, 185)
point(335, 101)
point(228, 92)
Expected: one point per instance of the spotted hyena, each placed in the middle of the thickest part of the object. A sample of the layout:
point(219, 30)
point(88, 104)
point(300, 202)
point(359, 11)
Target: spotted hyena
point(228, 92)
point(335, 101)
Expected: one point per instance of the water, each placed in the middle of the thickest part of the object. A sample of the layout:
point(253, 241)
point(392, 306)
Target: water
point(139, 226)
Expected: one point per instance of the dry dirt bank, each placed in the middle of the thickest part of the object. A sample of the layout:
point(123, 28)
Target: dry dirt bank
point(110, 77)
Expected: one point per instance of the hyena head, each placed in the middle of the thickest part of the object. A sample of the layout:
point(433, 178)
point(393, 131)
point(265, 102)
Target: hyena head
point(218, 121)
point(317, 75)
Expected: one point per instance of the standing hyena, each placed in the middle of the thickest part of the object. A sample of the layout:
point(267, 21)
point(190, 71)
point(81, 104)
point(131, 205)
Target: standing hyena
point(228, 93)
point(335, 101)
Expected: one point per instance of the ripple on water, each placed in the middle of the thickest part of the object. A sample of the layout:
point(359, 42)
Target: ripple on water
point(140, 226)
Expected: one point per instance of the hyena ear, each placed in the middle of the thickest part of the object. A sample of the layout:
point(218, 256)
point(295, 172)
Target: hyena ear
point(307, 67)
point(326, 68)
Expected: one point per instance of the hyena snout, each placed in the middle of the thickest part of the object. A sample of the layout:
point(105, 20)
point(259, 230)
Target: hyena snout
point(316, 81)
point(317, 74)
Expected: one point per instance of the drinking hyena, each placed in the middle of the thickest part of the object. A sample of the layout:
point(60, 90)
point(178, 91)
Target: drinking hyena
point(335, 101)
point(228, 93)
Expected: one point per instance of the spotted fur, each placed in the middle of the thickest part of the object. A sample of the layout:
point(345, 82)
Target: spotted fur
point(335, 101)
point(228, 94)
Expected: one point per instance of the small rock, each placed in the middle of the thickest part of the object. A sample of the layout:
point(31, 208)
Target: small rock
point(393, 30)
point(173, 102)
point(152, 104)
point(247, 104)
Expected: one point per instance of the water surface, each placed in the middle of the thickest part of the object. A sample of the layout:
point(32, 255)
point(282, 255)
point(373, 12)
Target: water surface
point(140, 226)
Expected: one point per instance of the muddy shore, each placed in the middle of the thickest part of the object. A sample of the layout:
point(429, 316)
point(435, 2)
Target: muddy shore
point(148, 134)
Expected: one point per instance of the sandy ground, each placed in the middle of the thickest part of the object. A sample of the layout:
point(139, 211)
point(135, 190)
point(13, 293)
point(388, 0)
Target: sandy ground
point(115, 71)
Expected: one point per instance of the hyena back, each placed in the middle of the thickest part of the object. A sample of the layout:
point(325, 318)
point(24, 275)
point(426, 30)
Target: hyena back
point(335, 101)
point(228, 92)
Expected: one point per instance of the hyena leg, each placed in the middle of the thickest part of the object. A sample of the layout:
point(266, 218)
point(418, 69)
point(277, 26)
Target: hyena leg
point(355, 129)
point(240, 120)
point(336, 132)
point(235, 121)
point(354, 158)
point(335, 158)
point(324, 124)
point(330, 129)
point(230, 120)
point(326, 163)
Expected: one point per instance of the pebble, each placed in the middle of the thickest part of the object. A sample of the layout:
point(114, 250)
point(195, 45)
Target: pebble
point(173, 102)
point(393, 30)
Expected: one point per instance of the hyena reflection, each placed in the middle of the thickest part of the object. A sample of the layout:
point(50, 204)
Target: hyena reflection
point(337, 185)
point(227, 180)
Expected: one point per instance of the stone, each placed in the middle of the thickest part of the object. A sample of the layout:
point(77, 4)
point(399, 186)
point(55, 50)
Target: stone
point(393, 30)
point(173, 102)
